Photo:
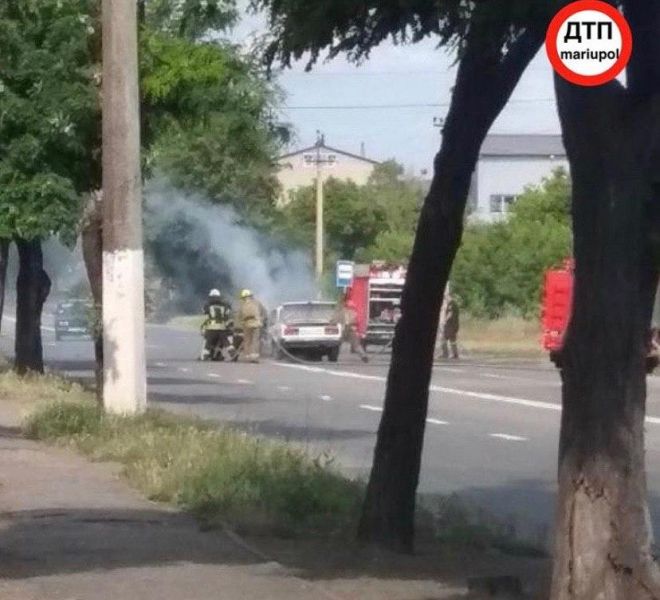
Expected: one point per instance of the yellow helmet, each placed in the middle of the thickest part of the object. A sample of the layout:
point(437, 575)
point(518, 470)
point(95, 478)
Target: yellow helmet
point(246, 294)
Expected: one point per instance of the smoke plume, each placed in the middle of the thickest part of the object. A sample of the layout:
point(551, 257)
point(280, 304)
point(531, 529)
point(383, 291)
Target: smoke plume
point(196, 246)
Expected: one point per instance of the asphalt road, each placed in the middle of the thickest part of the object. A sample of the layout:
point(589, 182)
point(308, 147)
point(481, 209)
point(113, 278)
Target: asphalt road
point(492, 431)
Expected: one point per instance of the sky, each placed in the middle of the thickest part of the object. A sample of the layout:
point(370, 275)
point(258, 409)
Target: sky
point(352, 104)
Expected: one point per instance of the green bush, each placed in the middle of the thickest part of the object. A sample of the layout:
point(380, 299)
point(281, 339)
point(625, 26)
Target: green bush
point(499, 268)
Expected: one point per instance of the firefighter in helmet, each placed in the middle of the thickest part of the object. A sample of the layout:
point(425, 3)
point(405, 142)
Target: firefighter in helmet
point(217, 326)
point(250, 318)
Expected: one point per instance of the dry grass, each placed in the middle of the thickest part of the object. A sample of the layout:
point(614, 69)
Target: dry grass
point(508, 336)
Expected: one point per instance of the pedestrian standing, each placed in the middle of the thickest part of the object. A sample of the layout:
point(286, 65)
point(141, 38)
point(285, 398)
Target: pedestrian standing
point(349, 322)
point(450, 326)
point(250, 318)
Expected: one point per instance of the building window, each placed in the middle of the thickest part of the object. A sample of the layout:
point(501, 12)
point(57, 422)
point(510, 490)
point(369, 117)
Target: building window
point(501, 203)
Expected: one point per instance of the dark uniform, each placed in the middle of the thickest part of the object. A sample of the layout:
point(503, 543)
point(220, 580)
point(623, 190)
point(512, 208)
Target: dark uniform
point(450, 329)
point(217, 327)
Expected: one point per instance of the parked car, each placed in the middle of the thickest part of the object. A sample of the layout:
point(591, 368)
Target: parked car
point(73, 318)
point(308, 328)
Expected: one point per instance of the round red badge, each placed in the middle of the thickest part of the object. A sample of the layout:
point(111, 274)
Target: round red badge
point(589, 42)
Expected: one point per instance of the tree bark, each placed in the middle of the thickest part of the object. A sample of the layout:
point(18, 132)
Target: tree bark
point(32, 289)
point(4, 260)
point(92, 247)
point(484, 84)
point(603, 536)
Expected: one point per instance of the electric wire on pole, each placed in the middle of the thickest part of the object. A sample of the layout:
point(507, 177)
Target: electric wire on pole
point(124, 376)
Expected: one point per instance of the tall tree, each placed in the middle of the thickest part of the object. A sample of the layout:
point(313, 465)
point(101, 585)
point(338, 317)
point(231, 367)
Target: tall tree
point(47, 99)
point(496, 41)
point(612, 136)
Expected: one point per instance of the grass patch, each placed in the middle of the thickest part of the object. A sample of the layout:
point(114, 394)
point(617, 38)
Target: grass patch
point(216, 474)
point(509, 336)
point(35, 389)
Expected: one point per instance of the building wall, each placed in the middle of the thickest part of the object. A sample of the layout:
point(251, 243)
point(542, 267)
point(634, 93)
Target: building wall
point(294, 173)
point(507, 177)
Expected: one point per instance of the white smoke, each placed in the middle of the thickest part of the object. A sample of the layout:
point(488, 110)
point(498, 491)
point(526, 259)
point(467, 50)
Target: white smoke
point(239, 255)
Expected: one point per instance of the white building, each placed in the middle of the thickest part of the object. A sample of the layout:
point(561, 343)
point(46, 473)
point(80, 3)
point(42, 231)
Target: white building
point(298, 169)
point(507, 165)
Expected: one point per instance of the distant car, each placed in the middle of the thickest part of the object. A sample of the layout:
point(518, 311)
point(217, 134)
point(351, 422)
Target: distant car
point(73, 318)
point(309, 328)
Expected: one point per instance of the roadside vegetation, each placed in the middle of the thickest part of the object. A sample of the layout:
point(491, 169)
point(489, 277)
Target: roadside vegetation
point(224, 476)
point(217, 474)
point(510, 336)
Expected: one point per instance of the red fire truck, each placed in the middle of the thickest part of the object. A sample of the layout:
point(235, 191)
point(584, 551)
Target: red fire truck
point(376, 293)
point(557, 302)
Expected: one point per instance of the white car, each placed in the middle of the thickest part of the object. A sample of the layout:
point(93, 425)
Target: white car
point(309, 328)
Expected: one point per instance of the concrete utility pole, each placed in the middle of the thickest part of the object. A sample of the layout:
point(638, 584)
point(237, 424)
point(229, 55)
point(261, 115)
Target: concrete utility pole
point(319, 212)
point(125, 388)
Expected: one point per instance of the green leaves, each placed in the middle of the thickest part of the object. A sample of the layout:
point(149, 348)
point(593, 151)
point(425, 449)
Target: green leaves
point(48, 115)
point(369, 222)
point(499, 268)
point(188, 19)
point(299, 28)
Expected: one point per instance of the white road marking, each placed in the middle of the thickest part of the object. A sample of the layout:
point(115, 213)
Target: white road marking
point(445, 390)
point(371, 408)
point(326, 398)
point(244, 382)
point(13, 320)
point(160, 364)
point(184, 370)
point(507, 437)
point(436, 422)
point(451, 370)
point(283, 388)
point(214, 375)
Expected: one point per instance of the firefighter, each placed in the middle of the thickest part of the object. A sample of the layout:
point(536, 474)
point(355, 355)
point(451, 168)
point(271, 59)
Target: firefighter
point(250, 317)
point(217, 327)
point(349, 321)
point(450, 325)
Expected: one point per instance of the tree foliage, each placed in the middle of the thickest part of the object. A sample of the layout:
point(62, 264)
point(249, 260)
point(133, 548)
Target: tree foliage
point(209, 110)
point(361, 221)
point(189, 19)
point(499, 268)
point(354, 27)
point(49, 115)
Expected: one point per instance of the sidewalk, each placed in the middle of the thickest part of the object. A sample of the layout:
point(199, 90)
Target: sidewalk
point(73, 530)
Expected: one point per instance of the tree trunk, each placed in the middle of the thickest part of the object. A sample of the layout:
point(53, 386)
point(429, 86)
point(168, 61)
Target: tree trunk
point(484, 83)
point(32, 289)
point(92, 247)
point(4, 260)
point(603, 536)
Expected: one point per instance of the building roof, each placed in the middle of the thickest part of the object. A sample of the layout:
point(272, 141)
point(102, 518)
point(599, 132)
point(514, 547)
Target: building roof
point(523, 145)
point(326, 148)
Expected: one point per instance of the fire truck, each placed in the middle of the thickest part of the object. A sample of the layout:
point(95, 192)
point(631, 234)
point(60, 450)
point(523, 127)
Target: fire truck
point(376, 292)
point(556, 313)
point(557, 302)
